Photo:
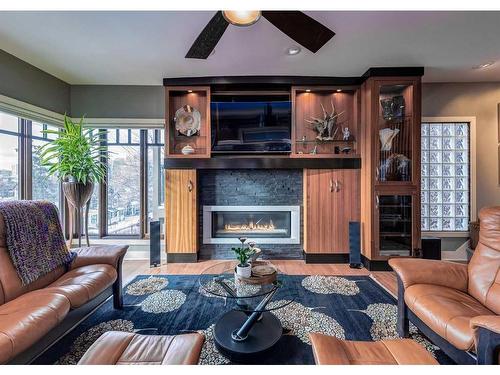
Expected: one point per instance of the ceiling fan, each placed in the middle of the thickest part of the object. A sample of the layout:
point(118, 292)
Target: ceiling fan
point(303, 29)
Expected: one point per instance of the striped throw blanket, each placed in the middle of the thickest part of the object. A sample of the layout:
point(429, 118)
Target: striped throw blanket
point(34, 238)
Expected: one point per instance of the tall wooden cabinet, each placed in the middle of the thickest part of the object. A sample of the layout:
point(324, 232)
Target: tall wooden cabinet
point(390, 178)
point(181, 219)
point(330, 202)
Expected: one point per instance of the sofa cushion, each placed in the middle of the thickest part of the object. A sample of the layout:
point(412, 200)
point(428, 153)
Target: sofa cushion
point(82, 284)
point(446, 311)
point(125, 348)
point(329, 350)
point(28, 318)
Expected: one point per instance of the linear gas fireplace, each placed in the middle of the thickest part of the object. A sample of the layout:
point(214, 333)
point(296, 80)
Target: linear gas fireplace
point(263, 224)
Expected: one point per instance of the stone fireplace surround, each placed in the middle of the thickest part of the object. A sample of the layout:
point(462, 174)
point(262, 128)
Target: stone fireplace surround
point(243, 187)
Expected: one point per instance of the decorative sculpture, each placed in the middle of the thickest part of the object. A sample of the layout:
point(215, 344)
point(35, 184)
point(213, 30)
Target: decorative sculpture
point(346, 134)
point(393, 108)
point(326, 127)
point(395, 168)
point(386, 136)
point(187, 150)
point(187, 120)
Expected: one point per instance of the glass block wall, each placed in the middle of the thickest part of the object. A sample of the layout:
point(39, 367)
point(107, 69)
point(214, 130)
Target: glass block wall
point(445, 177)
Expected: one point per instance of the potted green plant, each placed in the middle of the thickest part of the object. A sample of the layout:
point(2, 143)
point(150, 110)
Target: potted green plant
point(76, 157)
point(243, 254)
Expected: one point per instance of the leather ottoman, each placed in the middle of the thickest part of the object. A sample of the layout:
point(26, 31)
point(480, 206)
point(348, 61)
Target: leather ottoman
point(329, 350)
point(125, 348)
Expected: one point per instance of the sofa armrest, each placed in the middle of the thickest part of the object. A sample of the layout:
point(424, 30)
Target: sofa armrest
point(486, 330)
point(434, 272)
point(104, 254)
point(490, 322)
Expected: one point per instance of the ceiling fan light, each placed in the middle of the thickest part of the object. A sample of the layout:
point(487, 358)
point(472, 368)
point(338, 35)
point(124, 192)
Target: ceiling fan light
point(241, 17)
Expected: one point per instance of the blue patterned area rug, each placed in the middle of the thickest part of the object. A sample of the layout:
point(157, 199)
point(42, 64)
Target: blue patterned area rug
point(351, 308)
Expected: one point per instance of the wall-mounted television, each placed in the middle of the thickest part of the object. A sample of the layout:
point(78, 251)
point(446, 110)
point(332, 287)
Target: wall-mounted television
point(243, 124)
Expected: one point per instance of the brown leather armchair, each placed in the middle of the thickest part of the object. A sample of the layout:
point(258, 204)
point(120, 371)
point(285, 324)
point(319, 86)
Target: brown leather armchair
point(35, 315)
point(456, 305)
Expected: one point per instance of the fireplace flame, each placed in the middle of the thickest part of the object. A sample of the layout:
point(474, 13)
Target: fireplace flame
point(250, 226)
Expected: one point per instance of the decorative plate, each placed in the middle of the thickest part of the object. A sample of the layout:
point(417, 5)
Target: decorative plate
point(187, 120)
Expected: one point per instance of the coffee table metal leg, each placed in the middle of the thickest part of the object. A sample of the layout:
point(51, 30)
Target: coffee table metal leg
point(242, 333)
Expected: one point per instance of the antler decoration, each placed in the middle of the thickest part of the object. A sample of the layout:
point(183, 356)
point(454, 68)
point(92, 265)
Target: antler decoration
point(326, 127)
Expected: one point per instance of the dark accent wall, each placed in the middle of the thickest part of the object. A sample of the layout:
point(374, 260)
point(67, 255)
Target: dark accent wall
point(22, 81)
point(103, 101)
point(246, 188)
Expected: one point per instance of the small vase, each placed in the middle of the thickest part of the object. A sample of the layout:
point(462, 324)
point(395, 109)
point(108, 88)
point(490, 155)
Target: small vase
point(244, 271)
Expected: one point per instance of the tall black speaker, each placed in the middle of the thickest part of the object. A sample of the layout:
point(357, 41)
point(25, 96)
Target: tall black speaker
point(354, 245)
point(431, 248)
point(154, 244)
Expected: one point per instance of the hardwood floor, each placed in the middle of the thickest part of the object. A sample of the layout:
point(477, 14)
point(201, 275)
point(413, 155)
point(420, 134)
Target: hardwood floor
point(132, 268)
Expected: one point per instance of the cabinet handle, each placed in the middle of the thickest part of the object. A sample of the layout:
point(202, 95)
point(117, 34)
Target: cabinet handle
point(377, 202)
point(337, 186)
point(331, 185)
point(377, 172)
point(190, 186)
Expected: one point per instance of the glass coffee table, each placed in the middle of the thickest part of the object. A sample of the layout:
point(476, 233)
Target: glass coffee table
point(249, 328)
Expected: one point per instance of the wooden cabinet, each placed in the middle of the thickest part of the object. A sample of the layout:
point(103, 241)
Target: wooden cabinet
point(195, 99)
point(331, 200)
point(181, 214)
point(390, 175)
point(395, 218)
point(316, 102)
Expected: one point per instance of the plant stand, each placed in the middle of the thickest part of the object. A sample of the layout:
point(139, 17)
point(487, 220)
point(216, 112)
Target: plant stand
point(78, 197)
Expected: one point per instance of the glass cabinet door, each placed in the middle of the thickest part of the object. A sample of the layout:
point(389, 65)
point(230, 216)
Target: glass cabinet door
point(395, 133)
point(395, 216)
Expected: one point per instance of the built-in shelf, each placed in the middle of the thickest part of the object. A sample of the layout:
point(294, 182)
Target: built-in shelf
point(265, 162)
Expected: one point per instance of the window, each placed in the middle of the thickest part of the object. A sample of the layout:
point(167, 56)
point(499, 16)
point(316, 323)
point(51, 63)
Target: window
point(124, 182)
point(132, 195)
point(155, 180)
point(445, 176)
point(21, 175)
point(43, 186)
point(94, 213)
point(9, 157)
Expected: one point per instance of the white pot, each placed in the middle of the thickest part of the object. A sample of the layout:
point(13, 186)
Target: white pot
point(244, 271)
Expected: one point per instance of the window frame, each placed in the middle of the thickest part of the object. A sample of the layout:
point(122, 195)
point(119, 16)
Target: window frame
point(472, 170)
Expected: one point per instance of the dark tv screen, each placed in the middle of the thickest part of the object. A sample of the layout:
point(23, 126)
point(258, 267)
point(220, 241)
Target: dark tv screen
point(246, 126)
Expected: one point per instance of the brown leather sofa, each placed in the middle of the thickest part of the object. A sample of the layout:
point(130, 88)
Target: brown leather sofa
point(126, 348)
point(329, 350)
point(456, 305)
point(34, 316)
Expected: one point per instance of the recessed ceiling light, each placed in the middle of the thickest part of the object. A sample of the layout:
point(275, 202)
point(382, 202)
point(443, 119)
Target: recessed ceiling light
point(484, 65)
point(308, 90)
point(339, 90)
point(190, 91)
point(293, 50)
point(241, 17)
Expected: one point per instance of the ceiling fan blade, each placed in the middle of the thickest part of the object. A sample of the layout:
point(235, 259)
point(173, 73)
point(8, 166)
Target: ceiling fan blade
point(208, 38)
point(305, 30)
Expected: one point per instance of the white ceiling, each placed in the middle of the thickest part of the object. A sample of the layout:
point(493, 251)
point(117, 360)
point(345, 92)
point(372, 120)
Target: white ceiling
point(141, 48)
